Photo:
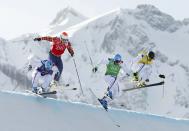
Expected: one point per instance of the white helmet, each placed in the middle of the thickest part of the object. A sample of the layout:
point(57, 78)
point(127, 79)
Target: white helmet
point(64, 37)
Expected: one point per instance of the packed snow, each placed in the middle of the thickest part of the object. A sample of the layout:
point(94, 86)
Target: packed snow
point(25, 112)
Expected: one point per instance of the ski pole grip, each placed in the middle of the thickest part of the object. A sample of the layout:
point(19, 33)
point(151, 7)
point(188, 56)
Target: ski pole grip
point(162, 76)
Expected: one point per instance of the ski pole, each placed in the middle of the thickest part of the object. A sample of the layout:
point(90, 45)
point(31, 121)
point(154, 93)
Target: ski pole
point(78, 76)
point(112, 83)
point(162, 77)
point(89, 55)
point(70, 89)
point(111, 86)
point(22, 40)
point(141, 68)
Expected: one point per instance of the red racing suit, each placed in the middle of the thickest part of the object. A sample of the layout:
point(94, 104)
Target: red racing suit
point(58, 47)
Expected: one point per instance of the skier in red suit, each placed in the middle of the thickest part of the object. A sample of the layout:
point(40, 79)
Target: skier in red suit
point(59, 44)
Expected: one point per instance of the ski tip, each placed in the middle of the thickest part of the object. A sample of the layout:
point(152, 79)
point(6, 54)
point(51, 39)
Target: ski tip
point(118, 125)
point(106, 109)
point(162, 82)
point(67, 85)
point(55, 92)
point(48, 93)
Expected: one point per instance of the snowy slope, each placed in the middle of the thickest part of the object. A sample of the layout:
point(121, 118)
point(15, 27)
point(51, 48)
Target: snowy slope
point(21, 112)
point(126, 32)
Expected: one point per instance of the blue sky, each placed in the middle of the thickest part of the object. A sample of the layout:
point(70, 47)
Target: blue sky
point(24, 16)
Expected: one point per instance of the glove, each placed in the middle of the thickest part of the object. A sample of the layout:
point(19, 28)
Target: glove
point(135, 74)
point(136, 77)
point(72, 54)
point(43, 73)
point(127, 74)
point(162, 76)
point(29, 67)
point(95, 69)
point(50, 72)
point(147, 80)
point(37, 39)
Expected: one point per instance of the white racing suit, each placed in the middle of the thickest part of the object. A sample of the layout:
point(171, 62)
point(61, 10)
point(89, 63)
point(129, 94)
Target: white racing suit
point(113, 86)
point(42, 77)
point(143, 69)
point(111, 80)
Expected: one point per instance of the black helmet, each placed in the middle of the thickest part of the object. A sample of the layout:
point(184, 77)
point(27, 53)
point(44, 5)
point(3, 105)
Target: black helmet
point(151, 55)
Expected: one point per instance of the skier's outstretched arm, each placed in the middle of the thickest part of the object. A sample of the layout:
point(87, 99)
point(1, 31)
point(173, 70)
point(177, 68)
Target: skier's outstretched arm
point(102, 62)
point(70, 49)
point(152, 71)
point(126, 70)
point(157, 72)
point(47, 38)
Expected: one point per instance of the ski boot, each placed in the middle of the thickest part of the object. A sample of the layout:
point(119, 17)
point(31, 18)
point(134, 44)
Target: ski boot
point(109, 94)
point(104, 103)
point(54, 83)
point(141, 84)
point(34, 90)
point(37, 90)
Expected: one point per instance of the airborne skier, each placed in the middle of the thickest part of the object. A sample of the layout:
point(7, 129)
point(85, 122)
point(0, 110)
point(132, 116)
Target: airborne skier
point(42, 73)
point(59, 44)
point(141, 67)
point(113, 66)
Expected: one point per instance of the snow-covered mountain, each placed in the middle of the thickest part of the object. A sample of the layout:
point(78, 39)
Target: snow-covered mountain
point(127, 32)
point(64, 19)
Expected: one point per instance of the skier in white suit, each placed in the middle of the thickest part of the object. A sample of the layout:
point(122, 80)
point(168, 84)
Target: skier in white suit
point(141, 67)
point(113, 67)
point(42, 75)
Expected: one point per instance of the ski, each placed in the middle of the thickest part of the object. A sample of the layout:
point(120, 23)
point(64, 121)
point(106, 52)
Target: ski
point(74, 88)
point(70, 89)
point(48, 93)
point(106, 110)
point(145, 86)
point(43, 94)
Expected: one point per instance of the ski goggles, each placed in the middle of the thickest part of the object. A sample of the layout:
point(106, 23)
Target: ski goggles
point(65, 40)
point(117, 61)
